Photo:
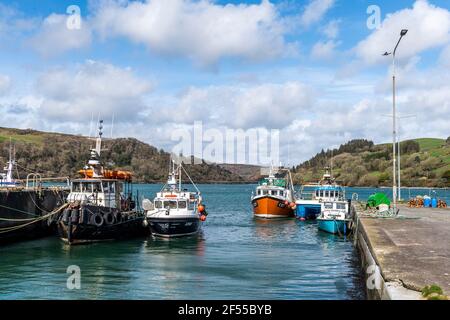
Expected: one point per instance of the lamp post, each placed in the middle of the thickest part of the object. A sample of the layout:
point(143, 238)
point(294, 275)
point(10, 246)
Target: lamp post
point(394, 133)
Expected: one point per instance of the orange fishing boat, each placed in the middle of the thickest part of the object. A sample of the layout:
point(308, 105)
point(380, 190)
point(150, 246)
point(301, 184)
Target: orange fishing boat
point(274, 196)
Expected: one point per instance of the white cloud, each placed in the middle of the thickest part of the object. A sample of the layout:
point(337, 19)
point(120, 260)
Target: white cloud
point(428, 25)
point(324, 49)
point(92, 88)
point(265, 105)
point(5, 83)
point(200, 30)
point(54, 37)
point(331, 29)
point(315, 11)
point(444, 58)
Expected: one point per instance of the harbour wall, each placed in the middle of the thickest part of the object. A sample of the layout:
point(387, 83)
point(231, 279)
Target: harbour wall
point(19, 209)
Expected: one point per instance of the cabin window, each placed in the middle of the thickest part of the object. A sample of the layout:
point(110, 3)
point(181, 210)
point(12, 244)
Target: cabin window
point(328, 205)
point(106, 187)
point(259, 192)
point(340, 206)
point(97, 187)
point(182, 204)
point(158, 204)
point(172, 204)
point(273, 192)
point(76, 187)
point(265, 192)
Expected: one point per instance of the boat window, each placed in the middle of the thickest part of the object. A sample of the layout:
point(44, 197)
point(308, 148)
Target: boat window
point(259, 192)
point(158, 204)
point(86, 187)
point(172, 204)
point(328, 205)
point(97, 187)
point(273, 192)
point(265, 192)
point(340, 206)
point(76, 187)
point(105, 187)
point(182, 204)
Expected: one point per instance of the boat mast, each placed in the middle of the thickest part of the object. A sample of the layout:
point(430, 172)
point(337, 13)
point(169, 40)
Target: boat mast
point(11, 162)
point(94, 161)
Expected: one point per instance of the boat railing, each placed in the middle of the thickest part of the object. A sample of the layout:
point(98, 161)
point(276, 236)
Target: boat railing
point(35, 181)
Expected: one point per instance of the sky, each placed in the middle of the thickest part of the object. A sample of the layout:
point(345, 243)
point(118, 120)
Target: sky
point(311, 69)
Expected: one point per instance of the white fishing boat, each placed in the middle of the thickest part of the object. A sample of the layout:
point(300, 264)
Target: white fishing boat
point(313, 195)
point(175, 212)
point(6, 177)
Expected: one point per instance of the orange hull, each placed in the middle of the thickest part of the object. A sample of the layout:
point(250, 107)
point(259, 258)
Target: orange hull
point(270, 208)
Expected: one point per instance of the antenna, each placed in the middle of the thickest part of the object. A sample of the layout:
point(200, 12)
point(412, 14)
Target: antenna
point(91, 124)
point(112, 125)
point(98, 145)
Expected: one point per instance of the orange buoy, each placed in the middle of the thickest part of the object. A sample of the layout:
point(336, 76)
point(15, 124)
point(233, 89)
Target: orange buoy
point(202, 217)
point(286, 202)
point(201, 208)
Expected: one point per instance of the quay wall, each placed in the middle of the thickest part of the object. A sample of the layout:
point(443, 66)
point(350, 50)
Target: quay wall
point(18, 208)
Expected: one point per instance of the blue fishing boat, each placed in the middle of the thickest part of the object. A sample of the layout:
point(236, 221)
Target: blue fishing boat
point(335, 217)
point(312, 195)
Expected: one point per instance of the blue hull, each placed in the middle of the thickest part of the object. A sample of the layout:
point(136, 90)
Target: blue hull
point(333, 226)
point(307, 211)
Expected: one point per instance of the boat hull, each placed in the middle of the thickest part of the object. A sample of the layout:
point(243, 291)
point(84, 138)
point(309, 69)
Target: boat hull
point(174, 227)
point(84, 225)
point(271, 208)
point(333, 226)
point(308, 209)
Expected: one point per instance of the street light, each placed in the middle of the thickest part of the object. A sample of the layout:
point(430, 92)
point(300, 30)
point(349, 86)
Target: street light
point(394, 139)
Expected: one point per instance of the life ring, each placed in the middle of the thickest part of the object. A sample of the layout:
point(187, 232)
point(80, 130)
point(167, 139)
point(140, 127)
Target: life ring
point(109, 218)
point(97, 219)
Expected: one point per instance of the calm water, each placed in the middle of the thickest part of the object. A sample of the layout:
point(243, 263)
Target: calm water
point(235, 257)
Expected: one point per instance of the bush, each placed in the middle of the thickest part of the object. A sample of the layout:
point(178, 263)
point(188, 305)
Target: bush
point(409, 146)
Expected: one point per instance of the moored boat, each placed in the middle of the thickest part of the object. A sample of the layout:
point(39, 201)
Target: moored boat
point(274, 197)
point(175, 212)
point(101, 205)
point(335, 217)
point(309, 204)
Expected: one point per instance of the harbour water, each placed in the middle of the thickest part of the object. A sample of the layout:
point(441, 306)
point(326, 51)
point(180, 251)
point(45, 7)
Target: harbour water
point(235, 257)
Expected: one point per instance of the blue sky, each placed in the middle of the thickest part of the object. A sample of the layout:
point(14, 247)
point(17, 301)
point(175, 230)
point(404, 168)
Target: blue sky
point(311, 69)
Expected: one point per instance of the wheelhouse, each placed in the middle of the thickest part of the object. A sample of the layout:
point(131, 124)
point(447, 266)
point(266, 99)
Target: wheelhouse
point(101, 192)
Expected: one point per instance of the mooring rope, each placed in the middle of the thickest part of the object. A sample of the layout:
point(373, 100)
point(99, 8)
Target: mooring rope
point(13, 228)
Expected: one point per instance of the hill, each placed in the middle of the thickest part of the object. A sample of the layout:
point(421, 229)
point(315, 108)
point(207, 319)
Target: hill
point(424, 162)
point(57, 155)
point(248, 172)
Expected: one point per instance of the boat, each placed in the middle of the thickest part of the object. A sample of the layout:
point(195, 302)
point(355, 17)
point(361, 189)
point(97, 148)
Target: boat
point(309, 203)
point(335, 217)
point(175, 211)
point(6, 177)
point(101, 205)
point(274, 197)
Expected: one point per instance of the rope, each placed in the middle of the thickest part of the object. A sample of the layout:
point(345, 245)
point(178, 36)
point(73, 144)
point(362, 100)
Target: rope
point(9, 229)
point(18, 210)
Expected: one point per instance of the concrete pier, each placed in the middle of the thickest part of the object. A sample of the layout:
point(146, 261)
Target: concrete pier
point(409, 253)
